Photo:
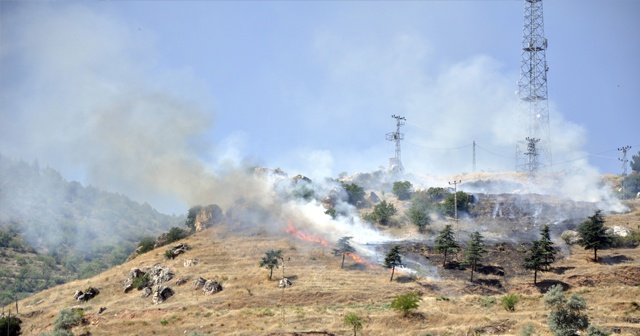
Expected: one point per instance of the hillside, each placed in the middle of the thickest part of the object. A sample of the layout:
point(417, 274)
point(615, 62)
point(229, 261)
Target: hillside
point(322, 293)
point(57, 230)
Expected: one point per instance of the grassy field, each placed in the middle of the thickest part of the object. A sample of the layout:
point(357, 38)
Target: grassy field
point(322, 293)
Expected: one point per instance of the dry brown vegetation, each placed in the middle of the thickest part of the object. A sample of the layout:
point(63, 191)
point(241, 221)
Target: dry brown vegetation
point(322, 293)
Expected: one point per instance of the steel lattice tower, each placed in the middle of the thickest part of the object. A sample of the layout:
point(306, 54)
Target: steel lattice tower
point(532, 91)
point(395, 163)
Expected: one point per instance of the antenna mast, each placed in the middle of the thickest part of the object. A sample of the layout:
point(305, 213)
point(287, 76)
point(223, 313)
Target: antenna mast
point(395, 163)
point(532, 91)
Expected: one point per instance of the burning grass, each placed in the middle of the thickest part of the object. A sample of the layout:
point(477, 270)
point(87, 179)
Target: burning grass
point(322, 293)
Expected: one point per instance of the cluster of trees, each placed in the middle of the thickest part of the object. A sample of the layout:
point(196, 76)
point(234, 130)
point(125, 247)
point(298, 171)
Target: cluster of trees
point(631, 183)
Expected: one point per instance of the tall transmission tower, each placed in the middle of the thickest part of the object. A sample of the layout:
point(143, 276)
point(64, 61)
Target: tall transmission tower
point(532, 91)
point(395, 163)
point(624, 159)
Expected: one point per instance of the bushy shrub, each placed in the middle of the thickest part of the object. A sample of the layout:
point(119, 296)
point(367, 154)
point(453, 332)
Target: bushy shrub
point(402, 190)
point(405, 303)
point(566, 316)
point(509, 302)
point(141, 281)
point(382, 213)
point(146, 244)
point(175, 234)
point(67, 319)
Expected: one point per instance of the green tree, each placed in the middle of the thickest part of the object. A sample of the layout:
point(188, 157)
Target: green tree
point(446, 242)
point(474, 251)
point(270, 260)
point(547, 246)
point(382, 213)
point(419, 216)
point(593, 234)
point(191, 217)
point(393, 259)
point(146, 244)
point(354, 321)
point(635, 163)
point(402, 190)
point(405, 303)
point(631, 185)
point(10, 325)
point(535, 259)
point(175, 234)
point(436, 194)
point(343, 248)
point(566, 317)
point(463, 199)
point(355, 193)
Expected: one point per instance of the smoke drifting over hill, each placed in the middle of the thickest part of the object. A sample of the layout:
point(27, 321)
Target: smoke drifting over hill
point(92, 98)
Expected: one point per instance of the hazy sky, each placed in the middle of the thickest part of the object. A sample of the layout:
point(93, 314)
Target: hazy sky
point(111, 91)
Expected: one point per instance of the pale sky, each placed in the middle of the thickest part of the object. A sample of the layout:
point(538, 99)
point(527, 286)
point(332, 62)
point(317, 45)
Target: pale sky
point(98, 89)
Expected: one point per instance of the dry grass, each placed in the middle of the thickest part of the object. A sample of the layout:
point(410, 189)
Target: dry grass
point(322, 294)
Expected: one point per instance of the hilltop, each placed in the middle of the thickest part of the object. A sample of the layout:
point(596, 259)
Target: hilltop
point(322, 293)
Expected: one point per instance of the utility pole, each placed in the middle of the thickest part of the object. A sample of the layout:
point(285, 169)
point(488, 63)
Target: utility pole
point(395, 163)
point(624, 165)
point(455, 200)
point(474, 156)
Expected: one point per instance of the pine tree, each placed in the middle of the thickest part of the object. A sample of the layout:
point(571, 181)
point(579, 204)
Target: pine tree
point(474, 251)
point(343, 248)
point(270, 260)
point(547, 247)
point(593, 234)
point(535, 260)
point(393, 259)
point(445, 243)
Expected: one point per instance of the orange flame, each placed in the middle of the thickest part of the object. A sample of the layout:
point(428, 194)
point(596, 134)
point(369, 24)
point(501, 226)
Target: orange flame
point(303, 236)
point(306, 237)
point(359, 260)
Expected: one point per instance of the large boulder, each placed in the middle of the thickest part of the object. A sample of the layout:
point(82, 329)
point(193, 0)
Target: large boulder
point(619, 231)
point(570, 236)
point(211, 286)
point(284, 283)
point(87, 295)
point(161, 294)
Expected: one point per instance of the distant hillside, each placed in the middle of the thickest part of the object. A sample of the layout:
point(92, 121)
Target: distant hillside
point(75, 231)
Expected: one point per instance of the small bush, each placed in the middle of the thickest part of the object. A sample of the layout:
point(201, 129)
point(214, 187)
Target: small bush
point(164, 322)
point(141, 282)
point(175, 234)
point(67, 319)
point(527, 330)
point(595, 331)
point(405, 303)
point(169, 254)
point(488, 301)
point(509, 302)
point(146, 244)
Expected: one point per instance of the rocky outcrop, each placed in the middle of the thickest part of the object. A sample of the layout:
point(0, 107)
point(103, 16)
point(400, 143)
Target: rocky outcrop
point(147, 278)
point(208, 216)
point(190, 262)
point(208, 286)
point(87, 295)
